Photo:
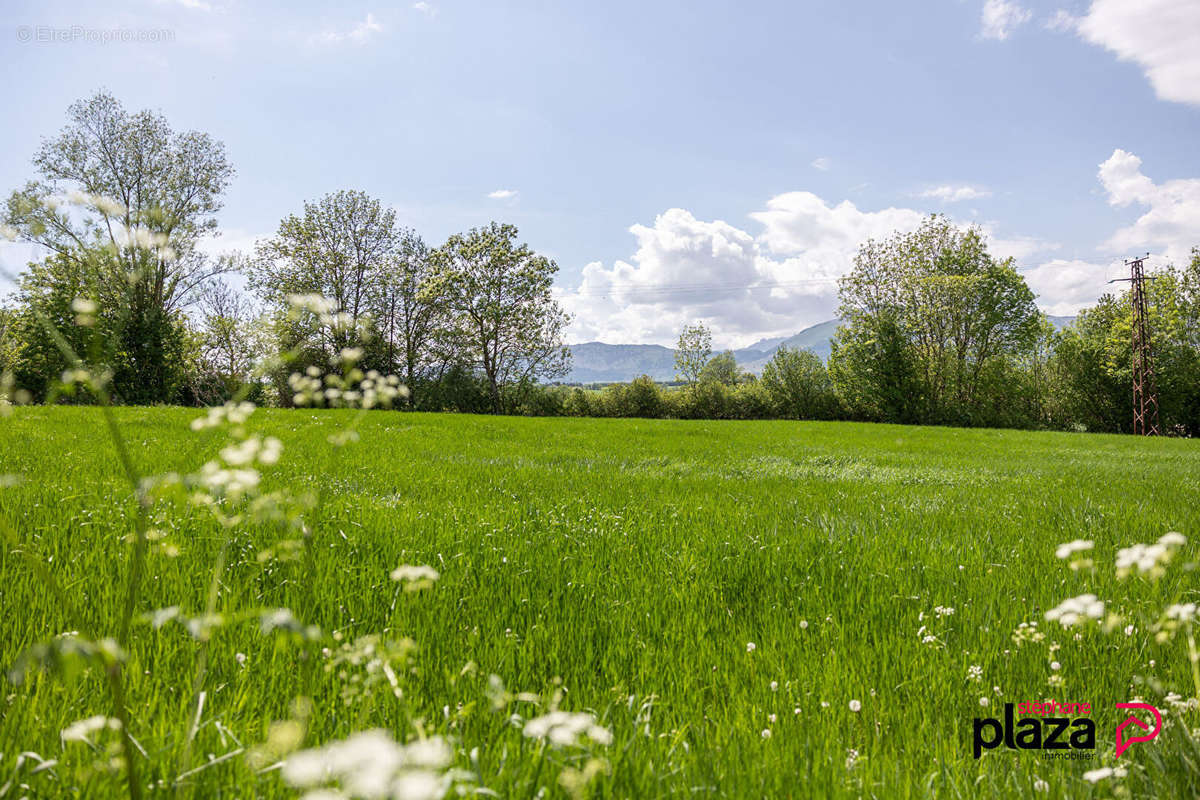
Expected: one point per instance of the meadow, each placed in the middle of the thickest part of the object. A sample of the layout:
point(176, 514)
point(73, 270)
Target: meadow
point(782, 609)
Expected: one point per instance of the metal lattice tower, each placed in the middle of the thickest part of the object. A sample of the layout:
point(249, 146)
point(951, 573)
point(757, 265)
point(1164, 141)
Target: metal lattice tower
point(1145, 392)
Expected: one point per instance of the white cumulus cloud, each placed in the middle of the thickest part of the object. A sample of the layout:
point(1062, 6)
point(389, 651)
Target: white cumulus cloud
point(1161, 36)
point(743, 285)
point(1064, 287)
point(783, 276)
point(503, 194)
point(800, 223)
point(1171, 224)
point(1001, 18)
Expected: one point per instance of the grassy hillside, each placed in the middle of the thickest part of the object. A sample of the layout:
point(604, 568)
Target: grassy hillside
point(719, 594)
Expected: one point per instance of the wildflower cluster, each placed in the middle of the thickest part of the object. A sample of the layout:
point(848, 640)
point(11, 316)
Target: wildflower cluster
point(127, 234)
point(565, 728)
point(1027, 632)
point(1177, 617)
point(1071, 550)
point(354, 389)
point(230, 413)
point(1149, 559)
point(85, 729)
point(1102, 773)
point(1076, 610)
point(414, 579)
point(10, 395)
point(228, 485)
point(369, 663)
point(926, 633)
point(371, 765)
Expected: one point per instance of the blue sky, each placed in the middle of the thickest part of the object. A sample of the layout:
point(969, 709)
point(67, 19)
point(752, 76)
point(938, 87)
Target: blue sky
point(670, 155)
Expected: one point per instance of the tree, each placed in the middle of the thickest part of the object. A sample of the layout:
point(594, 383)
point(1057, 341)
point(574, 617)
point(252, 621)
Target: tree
point(955, 309)
point(873, 370)
point(408, 312)
point(46, 294)
point(336, 248)
point(798, 384)
point(723, 368)
point(503, 317)
point(9, 347)
point(693, 352)
point(339, 248)
point(1093, 356)
point(122, 201)
point(230, 336)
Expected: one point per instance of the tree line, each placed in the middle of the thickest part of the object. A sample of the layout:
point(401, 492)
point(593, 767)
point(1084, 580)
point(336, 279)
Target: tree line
point(121, 204)
point(935, 329)
point(938, 331)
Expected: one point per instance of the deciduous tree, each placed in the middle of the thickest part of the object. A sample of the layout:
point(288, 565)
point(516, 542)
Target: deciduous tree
point(502, 313)
point(692, 352)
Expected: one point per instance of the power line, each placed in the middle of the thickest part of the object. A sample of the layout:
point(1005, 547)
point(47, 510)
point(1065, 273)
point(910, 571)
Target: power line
point(637, 290)
point(1145, 392)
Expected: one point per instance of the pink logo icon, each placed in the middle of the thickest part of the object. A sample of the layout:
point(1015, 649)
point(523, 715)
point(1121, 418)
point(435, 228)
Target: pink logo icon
point(1122, 742)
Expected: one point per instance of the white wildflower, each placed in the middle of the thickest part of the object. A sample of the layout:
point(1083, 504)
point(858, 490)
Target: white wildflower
point(82, 730)
point(751, 647)
point(564, 728)
point(1083, 608)
point(415, 578)
point(1149, 559)
point(1097, 775)
point(855, 706)
point(1182, 612)
point(1070, 548)
point(371, 764)
point(82, 305)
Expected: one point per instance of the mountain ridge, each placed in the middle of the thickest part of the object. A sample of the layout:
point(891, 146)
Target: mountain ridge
point(599, 362)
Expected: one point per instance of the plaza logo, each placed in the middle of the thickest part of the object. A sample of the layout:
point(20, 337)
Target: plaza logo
point(1123, 742)
point(1059, 730)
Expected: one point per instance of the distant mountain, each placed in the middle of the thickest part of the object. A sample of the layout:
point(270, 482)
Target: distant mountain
point(1060, 322)
point(597, 362)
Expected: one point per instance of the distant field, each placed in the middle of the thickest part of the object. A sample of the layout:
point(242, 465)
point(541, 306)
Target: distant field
point(632, 561)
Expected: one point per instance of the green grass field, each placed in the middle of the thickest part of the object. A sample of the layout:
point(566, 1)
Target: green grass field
point(626, 564)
